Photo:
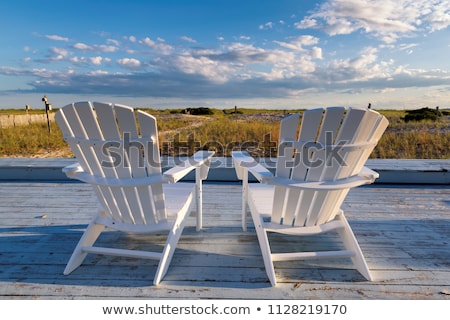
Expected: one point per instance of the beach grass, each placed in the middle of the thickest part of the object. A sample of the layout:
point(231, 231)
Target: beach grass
point(224, 131)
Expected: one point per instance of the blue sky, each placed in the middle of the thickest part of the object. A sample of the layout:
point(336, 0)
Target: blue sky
point(279, 54)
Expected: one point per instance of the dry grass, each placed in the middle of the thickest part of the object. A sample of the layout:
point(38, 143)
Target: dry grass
point(255, 131)
point(414, 140)
point(33, 140)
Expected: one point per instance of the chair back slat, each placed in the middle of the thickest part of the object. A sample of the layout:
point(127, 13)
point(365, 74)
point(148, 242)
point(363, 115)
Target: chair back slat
point(317, 159)
point(288, 131)
point(151, 160)
point(149, 131)
point(380, 124)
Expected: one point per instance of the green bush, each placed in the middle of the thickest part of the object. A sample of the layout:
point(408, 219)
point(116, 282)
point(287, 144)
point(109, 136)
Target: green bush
point(421, 114)
point(199, 111)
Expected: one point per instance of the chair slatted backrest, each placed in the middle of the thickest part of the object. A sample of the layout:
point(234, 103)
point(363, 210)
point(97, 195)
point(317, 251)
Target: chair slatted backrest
point(108, 143)
point(332, 144)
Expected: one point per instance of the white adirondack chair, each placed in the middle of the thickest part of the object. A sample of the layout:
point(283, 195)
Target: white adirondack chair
point(124, 168)
point(316, 167)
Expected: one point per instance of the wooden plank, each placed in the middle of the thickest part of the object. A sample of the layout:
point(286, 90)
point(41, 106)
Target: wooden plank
point(403, 231)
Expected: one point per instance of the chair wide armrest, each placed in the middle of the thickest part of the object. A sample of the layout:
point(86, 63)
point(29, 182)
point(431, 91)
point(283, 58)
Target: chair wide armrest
point(200, 161)
point(369, 174)
point(86, 177)
point(243, 161)
point(366, 176)
point(72, 169)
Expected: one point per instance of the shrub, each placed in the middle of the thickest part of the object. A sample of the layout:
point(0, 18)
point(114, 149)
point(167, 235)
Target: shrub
point(199, 111)
point(420, 114)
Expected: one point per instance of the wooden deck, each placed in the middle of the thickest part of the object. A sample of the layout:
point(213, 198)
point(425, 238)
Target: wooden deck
point(404, 232)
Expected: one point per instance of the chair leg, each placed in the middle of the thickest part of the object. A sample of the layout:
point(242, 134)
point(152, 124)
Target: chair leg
point(264, 244)
point(351, 243)
point(244, 199)
point(199, 199)
point(171, 243)
point(87, 239)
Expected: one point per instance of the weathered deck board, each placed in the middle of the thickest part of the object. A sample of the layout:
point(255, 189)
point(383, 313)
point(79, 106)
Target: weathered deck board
point(403, 231)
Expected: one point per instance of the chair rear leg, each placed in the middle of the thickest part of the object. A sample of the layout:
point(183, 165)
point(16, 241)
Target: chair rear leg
point(88, 238)
point(171, 244)
point(351, 243)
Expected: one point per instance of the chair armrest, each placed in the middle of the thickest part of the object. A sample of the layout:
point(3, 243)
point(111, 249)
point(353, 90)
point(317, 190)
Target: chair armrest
point(76, 172)
point(200, 160)
point(243, 161)
point(366, 176)
point(72, 169)
point(369, 174)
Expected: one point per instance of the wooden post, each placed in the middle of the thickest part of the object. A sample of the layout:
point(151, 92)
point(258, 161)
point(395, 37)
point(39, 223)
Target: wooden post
point(47, 110)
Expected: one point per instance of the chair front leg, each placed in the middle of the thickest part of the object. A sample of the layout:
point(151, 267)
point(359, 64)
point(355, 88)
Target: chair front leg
point(244, 198)
point(199, 197)
point(90, 235)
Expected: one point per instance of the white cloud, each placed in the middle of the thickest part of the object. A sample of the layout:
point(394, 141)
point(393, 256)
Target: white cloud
point(298, 42)
point(407, 47)
point(82, 46)
point(439, 16)
point(213, 70)
point(159, 46)
point(56, 38)
point(96, 60)
point(74, 60)
point(306, 23)
point(387, 20)
point(98, 73)
point(267, 25)
point(245, 62)
point(58, 53)
point(366, 66)
point(105, 48)
point(316, 53)
point(149, 42)
point(95, 48)
point(113, 42)
point(129, 63)
point(188, 39)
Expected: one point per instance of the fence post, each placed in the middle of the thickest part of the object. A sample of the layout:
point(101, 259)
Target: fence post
point(47, 110)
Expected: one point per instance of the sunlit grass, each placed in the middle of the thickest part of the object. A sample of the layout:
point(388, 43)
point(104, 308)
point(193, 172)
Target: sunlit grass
point(181, 134)
point(32, 140)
